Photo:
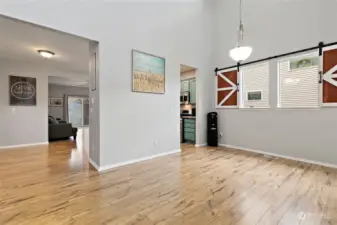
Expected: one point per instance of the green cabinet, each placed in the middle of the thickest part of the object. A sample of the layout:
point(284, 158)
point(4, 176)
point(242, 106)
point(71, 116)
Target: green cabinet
point(193, 87)
point(190, 137)
point(189, 130)
point(189, 125)
point(189, 85)
point(184, 86)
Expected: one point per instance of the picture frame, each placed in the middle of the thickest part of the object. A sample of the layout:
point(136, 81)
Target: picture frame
point(302, 62)
point(93, 72)
point(254, 95)
point(22, 91)
point(56, 102)
point(148, 73)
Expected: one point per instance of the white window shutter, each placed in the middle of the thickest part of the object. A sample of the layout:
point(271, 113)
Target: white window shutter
point(298, 88)
point(255, 79)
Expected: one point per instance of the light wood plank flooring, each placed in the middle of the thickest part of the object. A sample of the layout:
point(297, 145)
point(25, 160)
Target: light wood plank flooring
point(55, 185)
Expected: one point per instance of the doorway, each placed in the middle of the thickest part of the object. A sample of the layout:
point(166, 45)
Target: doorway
point(188, 106)
point(56, 65)
point(78, 111)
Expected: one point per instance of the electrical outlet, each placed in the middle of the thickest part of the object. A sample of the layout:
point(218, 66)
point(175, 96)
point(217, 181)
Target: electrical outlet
point(220, 134)
point(156, 142)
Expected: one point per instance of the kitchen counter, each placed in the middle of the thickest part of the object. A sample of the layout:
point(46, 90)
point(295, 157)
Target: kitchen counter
point(187, 117)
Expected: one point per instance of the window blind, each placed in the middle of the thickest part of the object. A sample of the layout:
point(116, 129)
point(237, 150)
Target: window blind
point(298, 88)
point(255, 79)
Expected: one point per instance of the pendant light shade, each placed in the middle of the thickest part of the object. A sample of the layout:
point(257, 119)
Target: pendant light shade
point(240, 53)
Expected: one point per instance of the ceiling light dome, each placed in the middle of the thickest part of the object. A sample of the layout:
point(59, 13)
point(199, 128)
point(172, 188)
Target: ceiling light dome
point(240, 53)
point(46, 54)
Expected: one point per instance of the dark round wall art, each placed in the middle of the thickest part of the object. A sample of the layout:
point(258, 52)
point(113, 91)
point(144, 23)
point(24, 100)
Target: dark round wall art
point(22, 91)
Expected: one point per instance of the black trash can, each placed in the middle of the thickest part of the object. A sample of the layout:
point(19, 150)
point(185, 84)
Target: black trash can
point(212, 129)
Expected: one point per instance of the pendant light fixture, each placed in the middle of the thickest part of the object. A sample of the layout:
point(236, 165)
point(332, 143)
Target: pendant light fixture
point(240, 53)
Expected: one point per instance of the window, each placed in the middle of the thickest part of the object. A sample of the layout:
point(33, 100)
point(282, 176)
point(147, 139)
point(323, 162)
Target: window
point(254, 96)
point(298, 82)
point(298, 63)
point(255, 86)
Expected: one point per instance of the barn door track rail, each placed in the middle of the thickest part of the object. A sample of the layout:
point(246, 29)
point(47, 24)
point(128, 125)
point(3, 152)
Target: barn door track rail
point(320, 47)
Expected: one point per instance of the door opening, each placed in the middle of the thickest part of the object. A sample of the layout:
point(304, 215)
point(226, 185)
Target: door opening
point(188, 105)
point(78, 111)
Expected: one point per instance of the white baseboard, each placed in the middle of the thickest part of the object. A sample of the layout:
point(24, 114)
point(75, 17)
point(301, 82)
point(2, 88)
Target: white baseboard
point(201, 145)
point(22, 146)
point(112, 166)
point(93, 164)
point(280, 156)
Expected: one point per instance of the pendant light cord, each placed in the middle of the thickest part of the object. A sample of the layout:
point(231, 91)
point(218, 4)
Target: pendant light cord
point(240, 32)
point(240, 11)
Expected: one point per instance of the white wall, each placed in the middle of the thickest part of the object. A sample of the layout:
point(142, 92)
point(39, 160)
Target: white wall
point(94, 134)
point(137, 123)
point(275, 27)
point(59, 91)
point(18, 122)
point(179, 31)
point(182, 32)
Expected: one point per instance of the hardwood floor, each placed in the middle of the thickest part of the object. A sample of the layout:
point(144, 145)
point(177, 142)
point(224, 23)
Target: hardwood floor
point(55, 185)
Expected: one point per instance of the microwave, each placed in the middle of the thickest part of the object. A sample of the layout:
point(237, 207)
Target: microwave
point(184, 97)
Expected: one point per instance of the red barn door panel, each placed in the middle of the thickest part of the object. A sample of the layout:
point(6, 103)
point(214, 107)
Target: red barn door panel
point(330, 76)
point(227, 88)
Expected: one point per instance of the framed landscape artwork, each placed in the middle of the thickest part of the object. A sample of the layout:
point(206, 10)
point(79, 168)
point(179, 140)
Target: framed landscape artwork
point(148, 73)
point(58, 102)
point(22, 91)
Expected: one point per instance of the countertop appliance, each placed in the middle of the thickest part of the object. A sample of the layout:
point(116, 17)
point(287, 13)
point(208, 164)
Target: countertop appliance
point(188, 114)
point(185, 97)
point(185, 113)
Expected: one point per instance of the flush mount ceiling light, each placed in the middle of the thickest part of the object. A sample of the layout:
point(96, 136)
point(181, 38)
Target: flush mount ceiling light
point(240, 53)
point(46, 54)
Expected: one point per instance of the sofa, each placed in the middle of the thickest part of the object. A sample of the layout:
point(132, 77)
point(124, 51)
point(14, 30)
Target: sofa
point(60, 130)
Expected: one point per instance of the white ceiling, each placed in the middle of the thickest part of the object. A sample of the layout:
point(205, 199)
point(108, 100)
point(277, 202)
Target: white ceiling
point(66, 81)
point(184, 68)
point(19, 42)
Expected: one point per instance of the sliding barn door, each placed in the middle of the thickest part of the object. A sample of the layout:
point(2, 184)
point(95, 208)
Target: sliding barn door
point(329, 87)
point(227, 89)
